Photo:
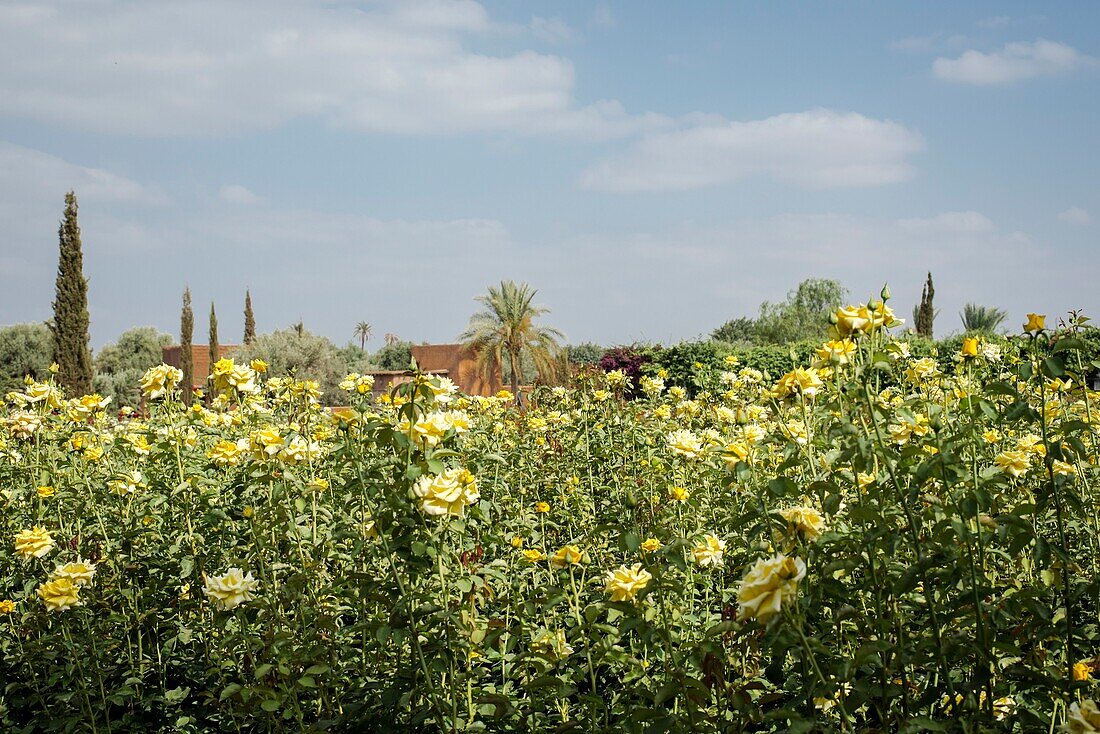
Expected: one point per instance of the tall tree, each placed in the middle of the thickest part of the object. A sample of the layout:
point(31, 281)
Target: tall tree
point(249, 319)
point(187, 356)
point(215, 350)
point(70, 308)
point(986, 319)
point(925, 314)
point(363, 331)
point(505, 332)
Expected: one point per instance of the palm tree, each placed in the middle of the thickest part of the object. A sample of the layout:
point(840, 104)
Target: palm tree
point(363, 331)
point(505, 331)
point(982, 318)
point(391, 339)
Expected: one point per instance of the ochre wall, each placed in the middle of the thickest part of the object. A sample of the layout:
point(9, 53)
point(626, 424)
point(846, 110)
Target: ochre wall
point(460, 364)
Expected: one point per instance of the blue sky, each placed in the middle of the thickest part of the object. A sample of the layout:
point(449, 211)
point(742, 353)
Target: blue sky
point(652, 168)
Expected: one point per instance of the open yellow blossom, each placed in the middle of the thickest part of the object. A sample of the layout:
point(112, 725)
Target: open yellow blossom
point(852, 319)
point(448, 493)
point(864, 480)
point(624, 583)
point(533, 555)
point(258, 365)
point(679, 494)
point(711, 552)
point(157, 382)
point(803, 521)
point(78, 571)
point(542, 507)
point(685, 443)
point(45, 490)
point(1082, 670)
point(837, 351)
point(1013, 463)
point(969, 348)
point(1083, 717)
point(232, 588)
point(651, 545)
point(33, 543)
point(1063, 469)
point(799, 380)
point(60, 594)
point(7, 606)
point(1035, 322)
point(991, 436)
point(569, 555)
point(769, 584)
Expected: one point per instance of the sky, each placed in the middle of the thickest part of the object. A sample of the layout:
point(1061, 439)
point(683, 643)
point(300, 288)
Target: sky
point(653, 169)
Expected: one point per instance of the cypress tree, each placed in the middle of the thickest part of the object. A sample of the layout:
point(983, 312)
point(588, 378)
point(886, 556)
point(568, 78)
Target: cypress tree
point(925, 313)
point(187, 357)
point(249, 320)
point(215, 351)
point(70, 308)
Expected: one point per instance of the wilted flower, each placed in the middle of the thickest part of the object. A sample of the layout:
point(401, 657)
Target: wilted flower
point(231, 589)
point(624, 583)
point(769, 584)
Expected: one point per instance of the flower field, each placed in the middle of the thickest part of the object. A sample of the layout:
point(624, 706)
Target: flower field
point(873, 542)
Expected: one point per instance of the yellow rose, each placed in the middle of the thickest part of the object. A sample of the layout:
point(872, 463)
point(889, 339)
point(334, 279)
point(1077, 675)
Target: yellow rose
point(159, 381)
point(533, 555)
point(231, 589)
point(1083, 717)
point(769, 584)
point(804, 521)
point(33, 543)
point(1013, 463)
point(1035, 322)
point(448, 493)
point(79, 572)
point(685, 443)
point(258, 365)
point(710, 552)
point(969, 347)
point(7, 606)
point(1082, 671)
point(570, 555)
point(624, 583)
point(651, 545)
point(60, 594)
point(851, 319)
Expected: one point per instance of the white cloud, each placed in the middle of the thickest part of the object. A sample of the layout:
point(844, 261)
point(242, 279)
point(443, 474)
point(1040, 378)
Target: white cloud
point(33, 177)
point(215, 67)
point(237, 194)
point(814, 149)
point(995, 21)
point(1015, 62)
point(1075, 215)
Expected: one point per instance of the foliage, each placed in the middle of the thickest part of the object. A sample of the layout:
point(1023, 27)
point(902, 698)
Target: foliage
point(584, 353)
point(212, 339)
point(362, 332)
point(249, 320)
point(739, 331)
point(505, 332)
point(70, 307)
point(628, 360)
point(298, 352)
point(982, 319)
point(187, 357)
point(439, 563)
point(119, 366)
point(395, 355)
point(25, 349)
point(803, 315)
point(924, 314)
